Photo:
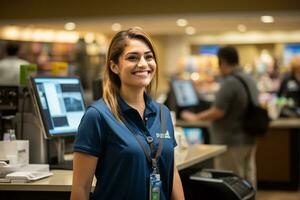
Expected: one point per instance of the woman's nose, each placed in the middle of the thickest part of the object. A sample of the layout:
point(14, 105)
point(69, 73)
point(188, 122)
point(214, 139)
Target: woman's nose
point(142, 62)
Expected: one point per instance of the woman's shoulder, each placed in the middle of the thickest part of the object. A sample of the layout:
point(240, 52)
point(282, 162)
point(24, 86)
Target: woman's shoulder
point(97, 107)
point(98, 104)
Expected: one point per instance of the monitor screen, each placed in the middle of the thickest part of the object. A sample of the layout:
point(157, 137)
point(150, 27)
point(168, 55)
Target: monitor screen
point(290, 50)
point(209, 49)
point(60, 104)
point(185, 93)
point(193, 135)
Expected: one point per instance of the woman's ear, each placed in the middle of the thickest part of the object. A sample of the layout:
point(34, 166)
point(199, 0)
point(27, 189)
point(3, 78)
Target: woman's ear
point(114, 67)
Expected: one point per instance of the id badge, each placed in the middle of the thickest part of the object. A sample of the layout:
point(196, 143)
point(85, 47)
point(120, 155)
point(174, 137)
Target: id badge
point(155, 185)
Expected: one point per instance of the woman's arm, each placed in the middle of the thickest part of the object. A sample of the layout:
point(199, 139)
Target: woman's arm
point(84, 166)
point(177, 191)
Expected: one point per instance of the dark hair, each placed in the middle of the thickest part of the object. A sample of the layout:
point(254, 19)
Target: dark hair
point(228, 54)
point(12, 49)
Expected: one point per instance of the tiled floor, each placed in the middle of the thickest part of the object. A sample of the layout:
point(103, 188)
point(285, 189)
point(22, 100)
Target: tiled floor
point(277, 195)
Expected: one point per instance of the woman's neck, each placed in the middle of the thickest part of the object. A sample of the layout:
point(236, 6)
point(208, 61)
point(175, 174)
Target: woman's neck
point(134, 98)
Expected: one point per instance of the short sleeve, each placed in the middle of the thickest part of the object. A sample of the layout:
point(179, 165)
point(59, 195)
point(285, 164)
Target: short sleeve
point(224, 95)
point(88, 138)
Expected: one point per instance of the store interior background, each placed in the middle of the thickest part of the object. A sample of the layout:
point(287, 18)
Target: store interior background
point(40, 27)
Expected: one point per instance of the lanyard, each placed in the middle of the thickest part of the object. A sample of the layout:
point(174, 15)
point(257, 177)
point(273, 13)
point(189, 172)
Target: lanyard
point(151, 160)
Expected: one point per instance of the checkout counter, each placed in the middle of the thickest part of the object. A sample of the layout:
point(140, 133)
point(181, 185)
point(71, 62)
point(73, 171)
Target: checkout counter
point(278, 153)
point(59, 185)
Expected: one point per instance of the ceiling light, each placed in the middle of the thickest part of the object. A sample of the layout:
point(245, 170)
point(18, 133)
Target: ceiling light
point(70, 26)
point(242, 28)
point(267, 19)
point(116, 27)
point(181, 22)
point(11, 32)
point(190, 30)
point(195, 76)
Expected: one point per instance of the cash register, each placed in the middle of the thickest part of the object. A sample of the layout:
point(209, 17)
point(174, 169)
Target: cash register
point(59, 106)
point(220, 184)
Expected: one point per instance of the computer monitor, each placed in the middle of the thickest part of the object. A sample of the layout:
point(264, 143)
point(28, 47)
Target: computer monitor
point(289, 51)
point(60, 104)
point(193, 135)
point(185, 93)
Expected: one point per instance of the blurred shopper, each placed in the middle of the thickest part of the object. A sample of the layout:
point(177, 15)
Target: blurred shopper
point(10, 65)
point(226, 115)
point(82, 62)
point(290, 85)
point(120, 139)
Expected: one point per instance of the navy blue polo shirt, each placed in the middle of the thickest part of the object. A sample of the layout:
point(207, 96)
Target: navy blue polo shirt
point(123, 170)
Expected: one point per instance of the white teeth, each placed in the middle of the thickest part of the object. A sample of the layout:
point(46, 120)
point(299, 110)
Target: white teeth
point(141, 73)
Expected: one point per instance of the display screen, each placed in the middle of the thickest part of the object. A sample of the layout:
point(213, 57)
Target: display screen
point(185, 94)
point(209, 49)
point(193, 135)
point(60, 103)
point(290, 50)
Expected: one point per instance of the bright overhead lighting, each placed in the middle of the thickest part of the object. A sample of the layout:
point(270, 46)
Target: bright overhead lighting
point(195, 76)
point(70, 26)
point(242, 28)
point(181, 22)
point(190, 30)
point(116, 27)
point(267, 19)
point(11, 32)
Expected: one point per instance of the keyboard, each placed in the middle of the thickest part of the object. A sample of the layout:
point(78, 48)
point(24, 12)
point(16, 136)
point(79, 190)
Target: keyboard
point(26, 176)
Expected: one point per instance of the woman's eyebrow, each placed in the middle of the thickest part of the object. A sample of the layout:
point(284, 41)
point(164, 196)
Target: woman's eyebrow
point(133, 52)
point(136, 53)
point(148, 52)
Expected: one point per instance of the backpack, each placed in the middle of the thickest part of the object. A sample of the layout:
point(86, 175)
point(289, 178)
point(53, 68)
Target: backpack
point(256, 120)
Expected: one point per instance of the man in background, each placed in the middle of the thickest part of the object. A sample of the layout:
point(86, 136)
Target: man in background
point(10, 65)
point(227, 114)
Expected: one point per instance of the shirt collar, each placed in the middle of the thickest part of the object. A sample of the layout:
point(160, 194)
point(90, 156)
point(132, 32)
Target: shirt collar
point(149, 105)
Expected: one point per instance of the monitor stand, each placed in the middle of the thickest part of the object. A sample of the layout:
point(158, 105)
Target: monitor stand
point(56, 158)
point(29, 128)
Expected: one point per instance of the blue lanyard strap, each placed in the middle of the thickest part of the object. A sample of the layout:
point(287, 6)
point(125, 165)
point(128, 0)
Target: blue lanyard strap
point(152, 161)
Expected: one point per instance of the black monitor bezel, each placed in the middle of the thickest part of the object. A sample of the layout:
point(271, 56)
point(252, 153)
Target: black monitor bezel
point(38, 105)
point(175, 96)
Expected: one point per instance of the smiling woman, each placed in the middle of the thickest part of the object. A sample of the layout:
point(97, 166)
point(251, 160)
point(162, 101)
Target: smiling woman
point(125, 54)
point(135, 68)
point(119, 139)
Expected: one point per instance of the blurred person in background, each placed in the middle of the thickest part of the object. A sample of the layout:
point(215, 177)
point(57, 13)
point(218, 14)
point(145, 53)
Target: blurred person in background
point(82, 62)
point(227, 114)
point(10, 65)
point(290, 85)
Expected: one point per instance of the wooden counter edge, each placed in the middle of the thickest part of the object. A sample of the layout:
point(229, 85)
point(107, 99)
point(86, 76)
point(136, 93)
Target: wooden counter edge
point(41, 185)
